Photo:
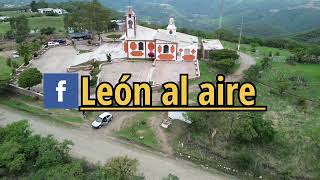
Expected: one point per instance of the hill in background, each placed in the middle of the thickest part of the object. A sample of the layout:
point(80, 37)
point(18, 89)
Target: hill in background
point(264, 18)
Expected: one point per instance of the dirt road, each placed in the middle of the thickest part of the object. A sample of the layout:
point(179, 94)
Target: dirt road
point(246, 61)
point(95, 148)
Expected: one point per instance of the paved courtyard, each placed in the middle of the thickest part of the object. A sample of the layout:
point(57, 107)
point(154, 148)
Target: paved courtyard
point(55, 60)
point(143, 71)
point(58, 59)
point(166, 71)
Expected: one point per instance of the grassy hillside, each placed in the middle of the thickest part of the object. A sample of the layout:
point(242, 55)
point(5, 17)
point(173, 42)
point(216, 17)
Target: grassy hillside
point(262, 17)
point(310, 37)
point(294, 114)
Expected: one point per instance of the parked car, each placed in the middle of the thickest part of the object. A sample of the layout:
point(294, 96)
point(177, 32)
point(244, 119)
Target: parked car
point(15, 54)
point(53, 43)
point(103, 119)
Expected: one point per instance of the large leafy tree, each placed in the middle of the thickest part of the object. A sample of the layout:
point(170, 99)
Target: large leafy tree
point(91, 16)
point(29, 78)
point(37, 5)
point(253, 128)
point(19, 28)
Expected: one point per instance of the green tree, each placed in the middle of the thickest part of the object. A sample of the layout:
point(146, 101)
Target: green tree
point(225, 66)
point(19, 28)
point(266, 63)
point(47, 31)
point(218, 55)
point(37, 5)
point(252, 128)
point(25, 51)
point(29, 78)
point(123, 167)
point(90, 16)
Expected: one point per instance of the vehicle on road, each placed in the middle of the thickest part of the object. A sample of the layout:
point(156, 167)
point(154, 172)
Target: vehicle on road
point(15, 54)
point(102, 120)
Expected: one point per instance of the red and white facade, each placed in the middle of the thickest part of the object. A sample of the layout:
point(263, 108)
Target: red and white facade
point(169, 45)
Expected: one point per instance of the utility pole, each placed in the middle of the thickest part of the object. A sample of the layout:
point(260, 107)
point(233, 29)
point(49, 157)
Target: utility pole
point(240, 36)
point(221, 13)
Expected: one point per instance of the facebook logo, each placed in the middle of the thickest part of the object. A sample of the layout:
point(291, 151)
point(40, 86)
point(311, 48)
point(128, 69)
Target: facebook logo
point(60, 90)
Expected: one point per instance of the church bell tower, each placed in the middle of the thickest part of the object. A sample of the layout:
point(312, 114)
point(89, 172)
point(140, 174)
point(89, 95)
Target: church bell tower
point(131, 23)
point(171, 28)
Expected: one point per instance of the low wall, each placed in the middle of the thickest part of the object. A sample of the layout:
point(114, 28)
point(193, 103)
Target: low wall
point(18, 90)
point(79, 68)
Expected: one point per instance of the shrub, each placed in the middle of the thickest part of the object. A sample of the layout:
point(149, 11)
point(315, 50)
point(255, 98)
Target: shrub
point(9, 62)
point(29, 78)
point(114, 36)
point(252, 128)
point(123, 167)
point(47, 31)
point(244, 161)
point(266, 63)
point(218, 55)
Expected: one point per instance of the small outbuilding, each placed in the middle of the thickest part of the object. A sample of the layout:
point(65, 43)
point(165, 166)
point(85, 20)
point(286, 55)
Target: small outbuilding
point(210, 45)
point(80, 35)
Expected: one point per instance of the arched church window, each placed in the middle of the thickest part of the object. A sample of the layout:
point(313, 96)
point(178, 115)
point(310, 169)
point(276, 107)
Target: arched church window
point(130, 23)
point(165, 49)
point(141, 46)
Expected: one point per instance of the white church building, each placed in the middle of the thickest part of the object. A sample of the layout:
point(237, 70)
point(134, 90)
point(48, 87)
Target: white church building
point(163, 44)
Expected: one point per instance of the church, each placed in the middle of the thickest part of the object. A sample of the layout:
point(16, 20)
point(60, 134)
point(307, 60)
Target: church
point(163, 44)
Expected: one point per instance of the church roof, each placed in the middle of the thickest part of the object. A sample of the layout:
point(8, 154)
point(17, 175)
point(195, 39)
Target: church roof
point(144, 33)
point(130, 11)
point(177, 37)
point(211, 44)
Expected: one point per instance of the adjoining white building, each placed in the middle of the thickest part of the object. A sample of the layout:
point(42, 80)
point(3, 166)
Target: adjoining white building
point(52, 10)
point(3, 18)
point(210, 45)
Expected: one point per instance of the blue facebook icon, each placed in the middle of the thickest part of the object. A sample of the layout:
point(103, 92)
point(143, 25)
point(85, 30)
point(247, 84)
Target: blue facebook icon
point(60, 90)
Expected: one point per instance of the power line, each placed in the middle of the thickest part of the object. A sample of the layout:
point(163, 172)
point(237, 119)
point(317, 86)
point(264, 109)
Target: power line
point(221, 13)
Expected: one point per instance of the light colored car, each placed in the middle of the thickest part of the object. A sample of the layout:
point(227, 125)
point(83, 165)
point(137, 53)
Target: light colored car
point(15, 54)
point(103, 119)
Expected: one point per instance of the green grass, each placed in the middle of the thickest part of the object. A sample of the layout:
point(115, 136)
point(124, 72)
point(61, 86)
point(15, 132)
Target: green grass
point(15, 13)
point(298, 127)
point(140, 128)
point(47, 21)
point(260, 51)
point(34, 107)
point(4, 27)
point(38, 23)
point(5, 70)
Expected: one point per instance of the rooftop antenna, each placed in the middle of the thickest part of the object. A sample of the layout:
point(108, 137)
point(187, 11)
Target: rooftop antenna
point(240, 36)
point(221, 13)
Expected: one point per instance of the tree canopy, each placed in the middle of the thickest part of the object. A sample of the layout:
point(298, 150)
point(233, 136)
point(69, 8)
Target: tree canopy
point(24, 155)
point(19, 28)
point(37, 5)
point(224, 59)
point(29, 78)
point(88, 16)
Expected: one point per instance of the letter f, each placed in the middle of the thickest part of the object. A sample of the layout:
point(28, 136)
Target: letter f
point(60, 89)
